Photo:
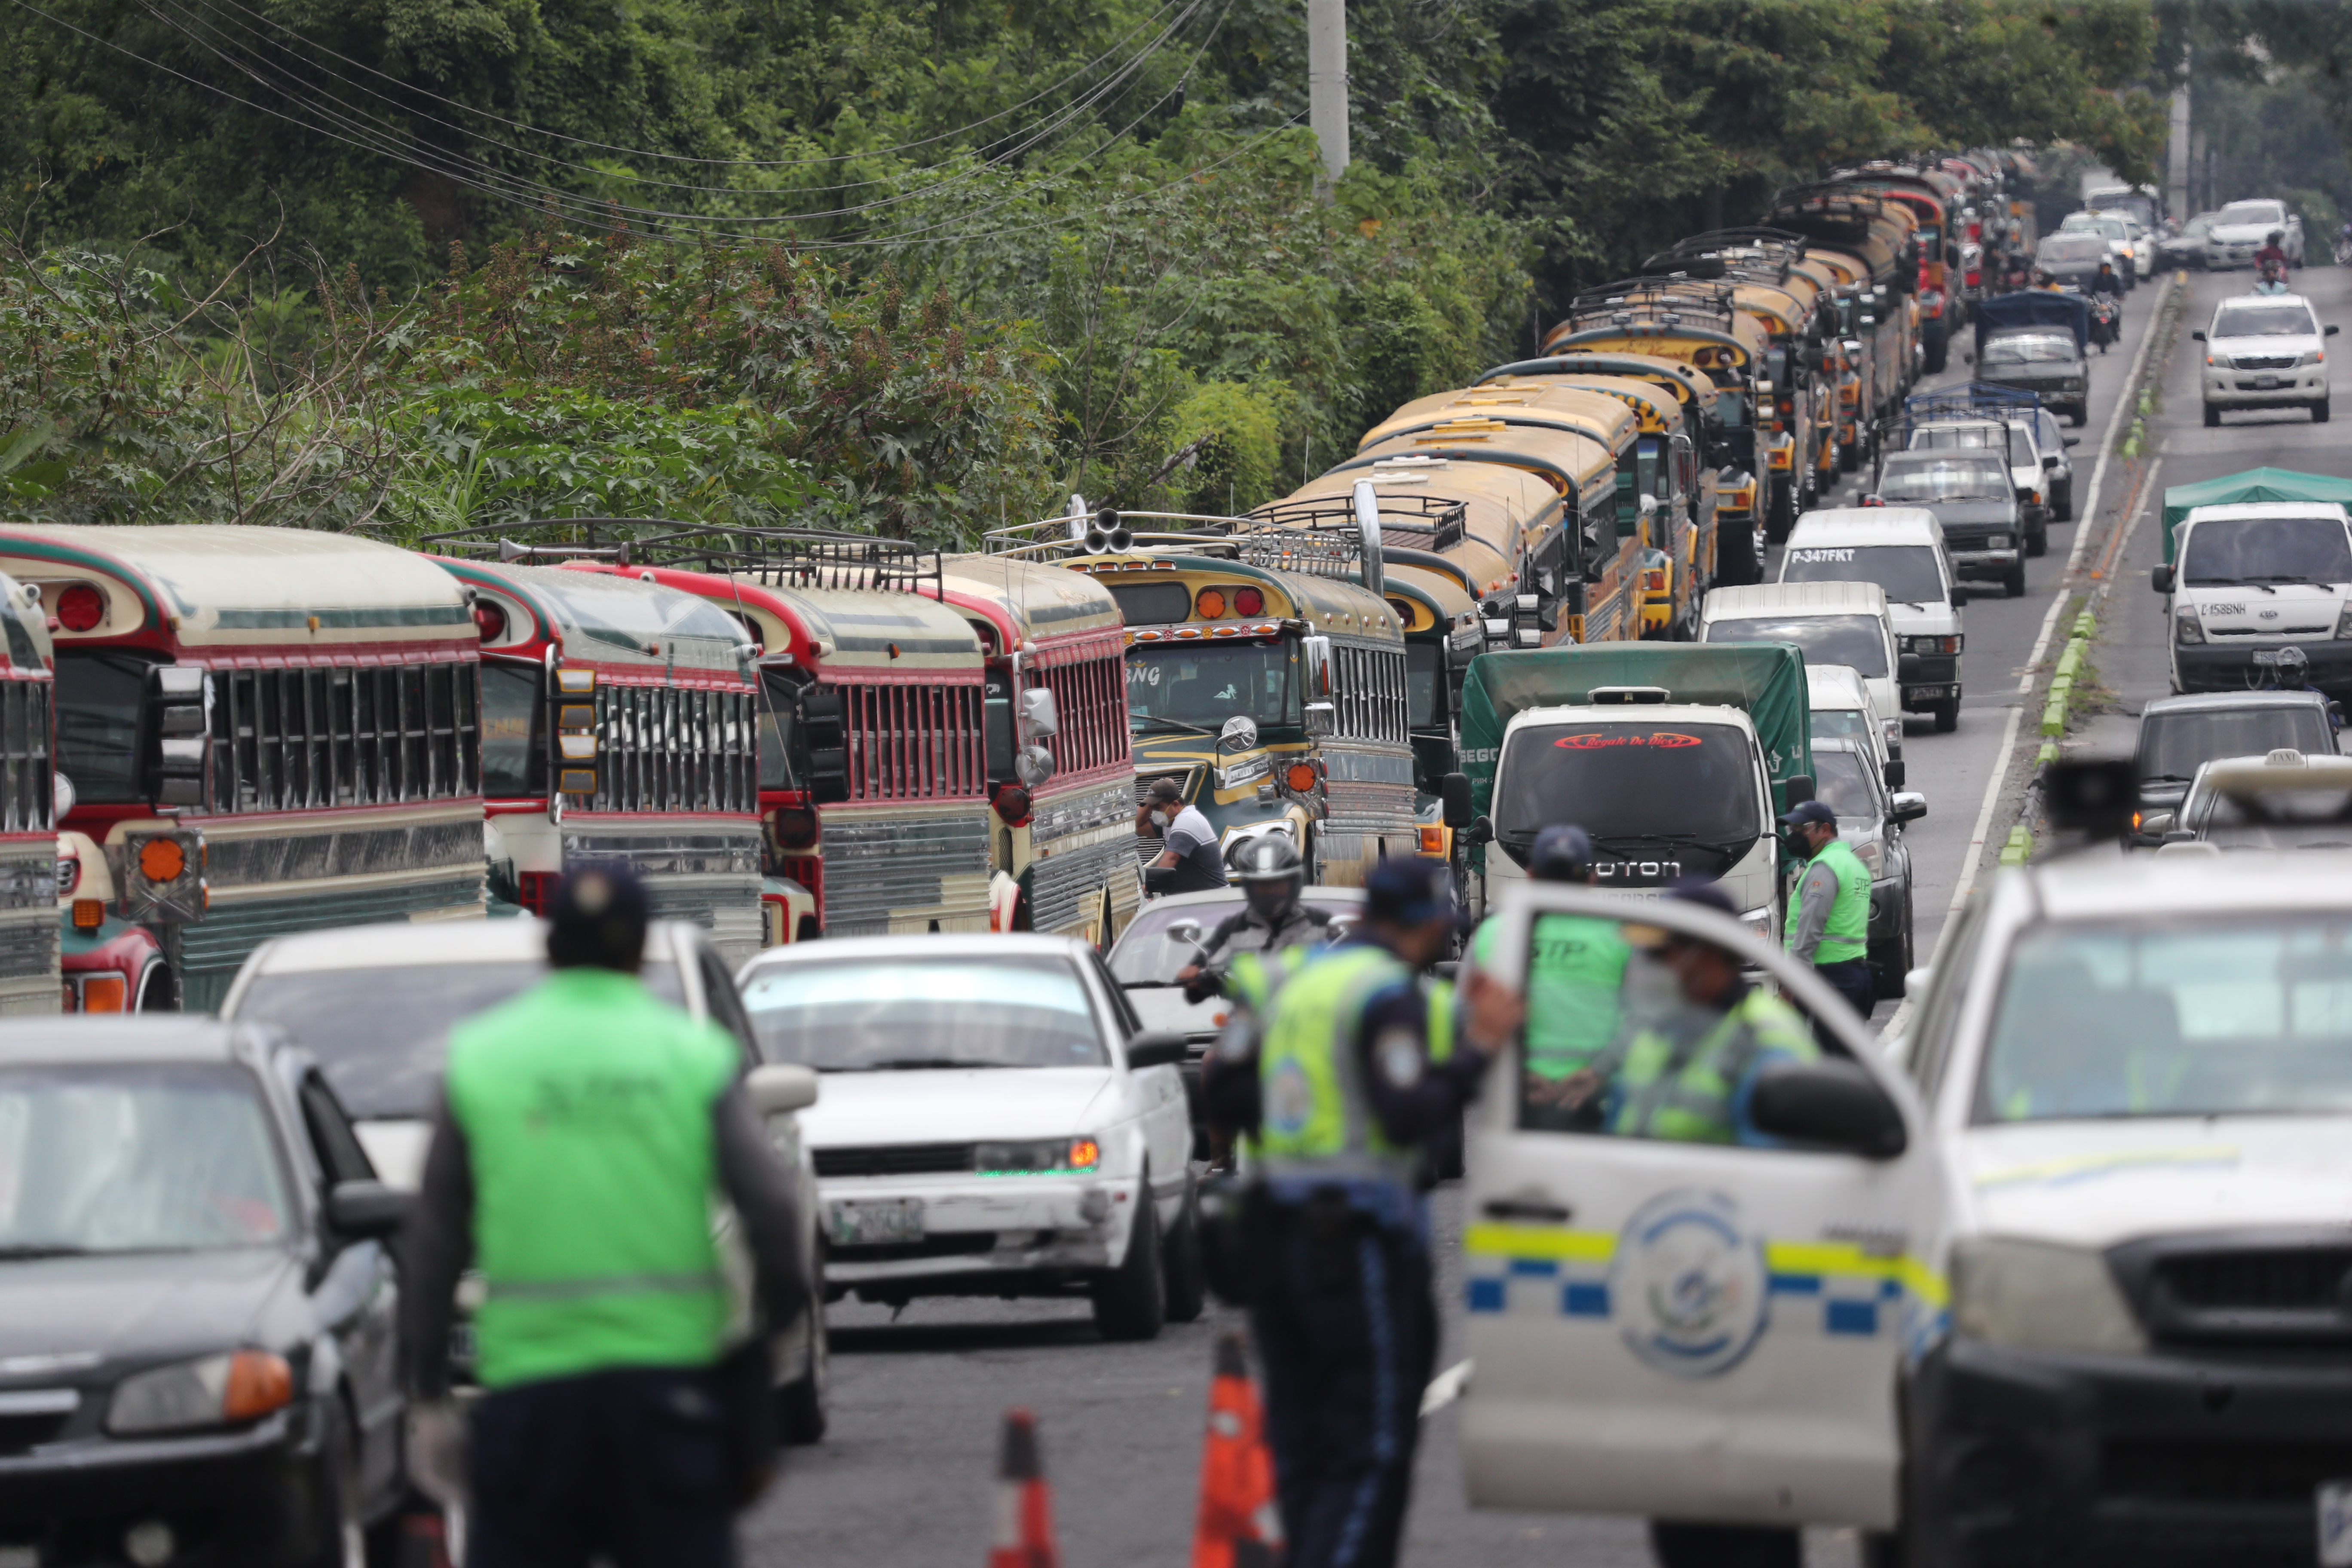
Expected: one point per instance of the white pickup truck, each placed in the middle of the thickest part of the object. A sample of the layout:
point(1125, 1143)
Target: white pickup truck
point(2064, 1276)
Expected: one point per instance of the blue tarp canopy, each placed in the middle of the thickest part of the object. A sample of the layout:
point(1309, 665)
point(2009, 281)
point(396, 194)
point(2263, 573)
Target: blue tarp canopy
point(2033, 307)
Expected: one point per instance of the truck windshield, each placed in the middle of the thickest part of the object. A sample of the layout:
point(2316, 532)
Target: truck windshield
point(98, 722)
point(514, 730)
point(2223, 551)
point(1631, 779)
point(2039, 348)
point(2171, 746)
point(1857, 640)
point(1197, 687)
point(1907, 572)
point(1926, 480)
point(2176, 1014)
point(2264, 321)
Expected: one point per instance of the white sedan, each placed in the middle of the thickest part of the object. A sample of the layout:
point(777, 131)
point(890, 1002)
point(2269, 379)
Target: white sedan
point(994, 1123)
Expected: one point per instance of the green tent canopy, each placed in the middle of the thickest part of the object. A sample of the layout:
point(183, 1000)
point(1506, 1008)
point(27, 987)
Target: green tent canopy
point(1766, 680)
point(2253, 485)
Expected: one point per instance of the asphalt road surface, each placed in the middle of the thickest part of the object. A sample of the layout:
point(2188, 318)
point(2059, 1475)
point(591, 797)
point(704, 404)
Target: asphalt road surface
point(905, 1477)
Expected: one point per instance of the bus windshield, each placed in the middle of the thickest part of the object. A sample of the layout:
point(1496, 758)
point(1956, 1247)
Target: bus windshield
point(514, 732)
point(1424, 666)
point(777, 711)
point(98, 696)
point(1197, 687)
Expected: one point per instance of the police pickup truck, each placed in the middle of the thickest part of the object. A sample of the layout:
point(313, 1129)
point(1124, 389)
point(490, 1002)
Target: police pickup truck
point(2058, 1277)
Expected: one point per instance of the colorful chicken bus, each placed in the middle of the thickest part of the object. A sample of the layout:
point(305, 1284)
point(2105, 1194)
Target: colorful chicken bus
point(259, 730)
point(1261, 675)
point(618, 728)
point(1868, 243)
point(1473, 520)
point(1933, 196)
point(30, 865)
point(1061, 770)
point(1581, 577)
point(1678, 554)
point(874, 777)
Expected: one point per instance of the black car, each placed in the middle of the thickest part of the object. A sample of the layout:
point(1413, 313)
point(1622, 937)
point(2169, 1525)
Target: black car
point(2073, 259)
point(198, 1307)
point(2044, 361)
point(2178, 733)
point(1970, 492)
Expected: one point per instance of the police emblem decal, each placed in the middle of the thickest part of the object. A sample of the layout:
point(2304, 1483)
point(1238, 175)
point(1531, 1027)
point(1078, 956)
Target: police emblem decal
point(1289, 1099)
point(1689, 1284)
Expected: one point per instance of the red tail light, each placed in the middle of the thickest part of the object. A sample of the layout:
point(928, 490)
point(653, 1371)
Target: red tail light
point(537, 891)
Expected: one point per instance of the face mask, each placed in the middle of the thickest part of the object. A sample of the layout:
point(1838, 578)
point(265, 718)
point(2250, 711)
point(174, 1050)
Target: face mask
point(1160, 820)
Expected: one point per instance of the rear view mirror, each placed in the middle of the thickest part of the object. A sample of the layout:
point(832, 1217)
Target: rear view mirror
point(2074, 440)
point(1037, 712)
point(2160, 578)
point(2329, 330)
point(1799, 789)
point(368, 1211)
point(1832, 1105)
point(2051, 461)
point(1893, 773)
point(1910, 805)
point(2196, 337)
point(2157, 823)
point(1482, 830)
point(1187, 932)
point(1454, 789)
point(777, 1088)
point(1155, 1048)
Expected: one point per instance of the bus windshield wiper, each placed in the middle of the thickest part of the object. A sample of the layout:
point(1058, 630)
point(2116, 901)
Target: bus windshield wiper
point(1151, 726)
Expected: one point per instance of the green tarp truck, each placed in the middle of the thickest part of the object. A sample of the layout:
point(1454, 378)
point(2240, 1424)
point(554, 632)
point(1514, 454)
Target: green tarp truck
point(2251, 485)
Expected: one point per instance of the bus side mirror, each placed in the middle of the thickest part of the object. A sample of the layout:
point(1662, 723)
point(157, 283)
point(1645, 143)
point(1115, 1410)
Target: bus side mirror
point(1454, 789)
point(823, 726)
point(179, 731)
point(1038, 716)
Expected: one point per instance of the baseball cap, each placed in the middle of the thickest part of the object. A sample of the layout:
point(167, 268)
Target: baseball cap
point(598, 920)
point(1167, 790)
point(1807, 811)
point(1562, 852)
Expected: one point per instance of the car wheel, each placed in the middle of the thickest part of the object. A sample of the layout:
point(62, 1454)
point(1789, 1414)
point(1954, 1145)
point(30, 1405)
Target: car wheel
point(2319, 412)
point(2037, 541)
point(1948, 715)
point(2062, 500)
point(1187, 1283)
point(1781, 513)
point(1131, 1301)
point(802, 1405)
point(2012, 582)
point(2213, 416)
point(2081, 414)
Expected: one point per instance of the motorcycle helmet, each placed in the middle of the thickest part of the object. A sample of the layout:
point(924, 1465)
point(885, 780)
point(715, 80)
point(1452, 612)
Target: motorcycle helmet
point(2294, 668)
point(2276, 236)
point(1270, 873)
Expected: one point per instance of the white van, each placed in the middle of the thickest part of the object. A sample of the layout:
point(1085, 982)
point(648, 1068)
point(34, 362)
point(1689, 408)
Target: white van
point(1842, 709)
point(1901, 550)
point(2249, 579)
point(2054, 1279)
point(1830, 623)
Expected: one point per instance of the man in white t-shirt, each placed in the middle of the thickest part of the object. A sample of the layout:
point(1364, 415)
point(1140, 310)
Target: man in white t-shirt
point(1190, 862)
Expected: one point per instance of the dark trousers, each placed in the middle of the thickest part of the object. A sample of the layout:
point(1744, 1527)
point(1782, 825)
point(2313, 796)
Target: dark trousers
point(1852, 980)
point(1346, 1334)
point(630, 1466)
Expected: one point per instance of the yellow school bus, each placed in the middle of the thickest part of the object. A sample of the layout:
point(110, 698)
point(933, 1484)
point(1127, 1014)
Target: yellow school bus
point(1576, 584)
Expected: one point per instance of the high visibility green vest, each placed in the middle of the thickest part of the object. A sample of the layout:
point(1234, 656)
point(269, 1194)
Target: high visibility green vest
point(586, 1107)
point(1848, 936)
point(1686, 1095)
point(1253, 977)
point(1576, 969)
point(1440, 1020)
point(1316, 1119)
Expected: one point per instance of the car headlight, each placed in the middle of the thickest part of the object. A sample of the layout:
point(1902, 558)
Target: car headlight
point(1758, 923)
point(2344, 620)
point(2033, 1295)
point(1044, 1156)
point(2220, 362)
point(2312, 356)
point(239, 1385)
point(2185, 626)
point(1868, 852)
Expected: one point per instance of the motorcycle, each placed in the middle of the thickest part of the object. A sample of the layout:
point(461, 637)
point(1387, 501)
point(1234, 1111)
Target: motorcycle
point(2104, 316)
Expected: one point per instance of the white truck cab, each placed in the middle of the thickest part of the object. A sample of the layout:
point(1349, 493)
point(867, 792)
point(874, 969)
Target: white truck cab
point(2057, 1278)
point(1899, 550)
point(2249, 579)
point(1666, 790)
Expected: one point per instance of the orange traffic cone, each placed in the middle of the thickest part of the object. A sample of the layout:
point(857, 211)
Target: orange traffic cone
point(1238, 1525)
point(1025, 1504)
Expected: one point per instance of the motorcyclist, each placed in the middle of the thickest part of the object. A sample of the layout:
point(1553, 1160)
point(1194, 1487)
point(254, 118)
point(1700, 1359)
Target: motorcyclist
point(2269, 261)
point(1271, 917)
point(2107, 282)
point(2292, 672)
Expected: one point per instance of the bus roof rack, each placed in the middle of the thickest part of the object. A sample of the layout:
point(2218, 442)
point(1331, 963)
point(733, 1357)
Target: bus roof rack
point(782, 557)
point(1434, 524)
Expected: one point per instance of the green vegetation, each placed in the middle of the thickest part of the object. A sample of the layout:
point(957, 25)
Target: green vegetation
point(911, 267)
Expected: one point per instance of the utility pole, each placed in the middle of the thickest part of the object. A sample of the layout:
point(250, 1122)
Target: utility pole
point(2175, 185)
point(1327, 83)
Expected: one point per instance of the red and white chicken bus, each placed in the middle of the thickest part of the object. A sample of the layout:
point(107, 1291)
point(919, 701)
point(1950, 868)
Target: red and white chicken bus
point(29, 864)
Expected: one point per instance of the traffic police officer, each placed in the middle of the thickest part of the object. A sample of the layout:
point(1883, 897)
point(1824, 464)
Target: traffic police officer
point(1827, 922)
point(1687, 1076)
point(585, 1132)
point(1343, 1094)
point(1271, 919)
point(1576, 969)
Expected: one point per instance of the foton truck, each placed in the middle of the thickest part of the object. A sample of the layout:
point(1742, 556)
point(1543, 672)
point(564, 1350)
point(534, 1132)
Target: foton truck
point(1678, 758)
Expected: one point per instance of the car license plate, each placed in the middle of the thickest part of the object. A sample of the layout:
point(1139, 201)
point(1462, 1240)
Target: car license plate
point(1934, 691)
point(2336, 1524)
point(2266, 383)
point(2266, 656)
point(877, 1222)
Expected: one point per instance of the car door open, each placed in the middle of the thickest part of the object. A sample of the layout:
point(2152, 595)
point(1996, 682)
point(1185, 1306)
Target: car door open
point(1688, 1330)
